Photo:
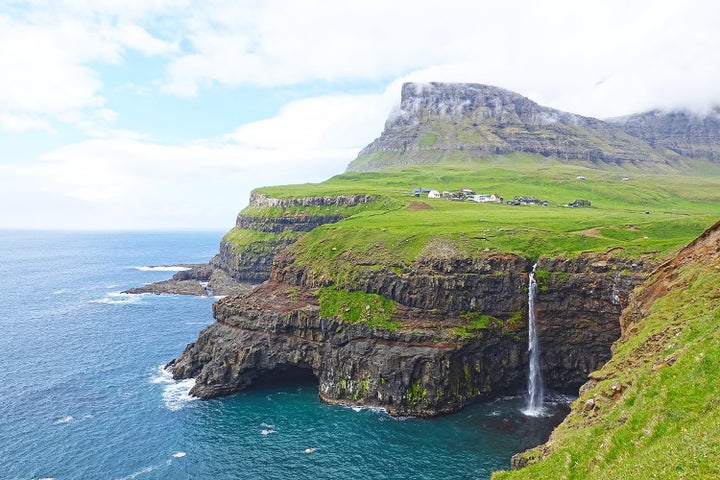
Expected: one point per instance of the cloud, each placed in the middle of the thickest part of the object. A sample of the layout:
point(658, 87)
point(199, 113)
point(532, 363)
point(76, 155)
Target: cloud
point(598, 59)
point(23, 123)
point(40, 73)
point(124, 179)
point(48, 57)
point(129, 182)
point(334, 121)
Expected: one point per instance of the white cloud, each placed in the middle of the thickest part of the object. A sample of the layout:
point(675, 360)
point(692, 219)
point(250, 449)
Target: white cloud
point(129, 182)
point(40, 74)
point(47, 56)
point(137, 38)
point(23, 123)
point(597, 59)
point(337, 121)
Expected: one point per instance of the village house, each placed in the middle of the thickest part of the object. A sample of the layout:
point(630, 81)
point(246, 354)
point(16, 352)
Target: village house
point(485, 198)
point(419, 191)
point(434, 194)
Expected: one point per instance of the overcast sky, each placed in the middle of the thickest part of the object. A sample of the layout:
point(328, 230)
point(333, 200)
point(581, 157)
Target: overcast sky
point(164, 114)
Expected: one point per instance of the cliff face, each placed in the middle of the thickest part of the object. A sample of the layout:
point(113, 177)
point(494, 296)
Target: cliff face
point(262, 235)
point(277, 330)
point(435, 361)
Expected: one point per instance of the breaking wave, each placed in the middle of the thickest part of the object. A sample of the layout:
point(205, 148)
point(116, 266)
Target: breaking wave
point(163, 268)
point(118, 298)
point(176, 393)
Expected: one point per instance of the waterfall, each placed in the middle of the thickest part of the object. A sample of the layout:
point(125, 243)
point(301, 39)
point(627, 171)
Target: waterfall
point(534, 406)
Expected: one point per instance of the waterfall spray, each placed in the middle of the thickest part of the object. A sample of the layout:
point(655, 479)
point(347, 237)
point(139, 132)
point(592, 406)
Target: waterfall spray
point(535, 386)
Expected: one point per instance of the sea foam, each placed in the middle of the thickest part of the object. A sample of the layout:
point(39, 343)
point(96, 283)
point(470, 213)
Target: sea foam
point(118, 298)
point(176, 393)
point(163, 268)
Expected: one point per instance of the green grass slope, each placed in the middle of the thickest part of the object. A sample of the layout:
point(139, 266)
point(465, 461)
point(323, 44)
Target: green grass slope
point(631, 214)
point(654, 412)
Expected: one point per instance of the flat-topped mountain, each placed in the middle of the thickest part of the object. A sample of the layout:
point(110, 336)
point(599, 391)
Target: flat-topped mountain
point(451, 122)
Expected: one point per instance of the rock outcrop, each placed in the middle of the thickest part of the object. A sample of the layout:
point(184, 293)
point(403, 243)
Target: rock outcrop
point(202, 279)
point(240, 266)
point(421, 369)
point(251, 260)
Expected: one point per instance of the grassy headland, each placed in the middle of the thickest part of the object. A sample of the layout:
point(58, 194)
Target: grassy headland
point(632, 214)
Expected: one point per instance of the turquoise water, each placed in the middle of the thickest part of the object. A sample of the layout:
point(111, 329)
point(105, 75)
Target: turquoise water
point(83, 394)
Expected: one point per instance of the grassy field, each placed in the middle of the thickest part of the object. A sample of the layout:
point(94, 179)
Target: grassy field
point(631, 214)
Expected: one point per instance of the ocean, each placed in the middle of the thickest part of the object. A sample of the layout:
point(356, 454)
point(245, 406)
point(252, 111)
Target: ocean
point(83, 393)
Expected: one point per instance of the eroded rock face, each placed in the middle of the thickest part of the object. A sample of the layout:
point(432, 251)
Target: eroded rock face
point(253, 262)
point(578, 309)
point(425, 367)
point(417, 370)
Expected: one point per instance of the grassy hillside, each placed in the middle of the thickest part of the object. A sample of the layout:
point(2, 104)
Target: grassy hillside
point(631, 214)
point(654, 411)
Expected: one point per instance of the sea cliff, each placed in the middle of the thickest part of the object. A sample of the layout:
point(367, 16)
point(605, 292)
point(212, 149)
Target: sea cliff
point(457, 335)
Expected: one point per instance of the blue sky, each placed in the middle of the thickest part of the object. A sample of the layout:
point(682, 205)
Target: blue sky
point(164, 114)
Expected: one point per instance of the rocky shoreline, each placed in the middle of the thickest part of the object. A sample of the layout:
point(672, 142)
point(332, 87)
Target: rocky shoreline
point(204, 280)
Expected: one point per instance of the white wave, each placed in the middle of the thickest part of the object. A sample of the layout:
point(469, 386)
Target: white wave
point(179, 454)
point(360, 408)
point(163, 268)
point(60, 292)
point(67, 419)
point(267, 425)
point(176, 393)
point(142, 471)
point(119, 298)
point(162, 375)
point(266, 432)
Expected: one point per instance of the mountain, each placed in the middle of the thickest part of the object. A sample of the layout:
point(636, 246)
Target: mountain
point(451, 122)
point(681, 132)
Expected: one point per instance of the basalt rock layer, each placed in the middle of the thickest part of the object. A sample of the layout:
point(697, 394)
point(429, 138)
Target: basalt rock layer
point(279, 221)
point(435, 361)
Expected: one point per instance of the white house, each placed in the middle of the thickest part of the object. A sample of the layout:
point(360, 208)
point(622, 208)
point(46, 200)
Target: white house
point(485, 198)
point(434, 194)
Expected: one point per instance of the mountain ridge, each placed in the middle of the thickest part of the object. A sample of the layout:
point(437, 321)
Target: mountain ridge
point(440, 122)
